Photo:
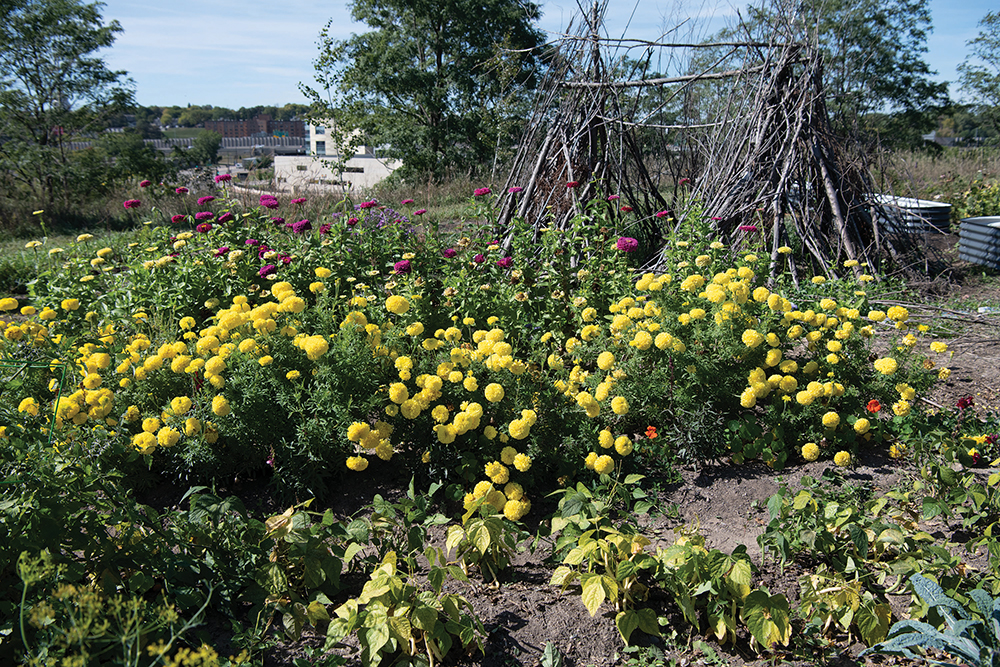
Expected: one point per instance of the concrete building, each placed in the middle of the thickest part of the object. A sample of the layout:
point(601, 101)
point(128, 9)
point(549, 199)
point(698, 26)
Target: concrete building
point(260, 126)
point(318, 170)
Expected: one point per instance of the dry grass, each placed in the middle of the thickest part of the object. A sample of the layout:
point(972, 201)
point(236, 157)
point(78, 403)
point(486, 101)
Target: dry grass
point(925, 175)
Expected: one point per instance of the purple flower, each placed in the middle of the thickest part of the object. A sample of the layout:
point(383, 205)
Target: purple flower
point(613, 197)
point(204, 215)
point(225, 217)
point(267, 270)
point(627, 244)
point(286, 260)
point(269, 201)
point(450, 252)
point(402, 266)
point(481, 192)
point(145, 184)
point(176, 218)
point(263, 251)
point(505, 262)
point(365, 205)
point(420, 211)
point(204, 200)
point(131, 203)
point(278, 220)
point(661, 214)
point(514, 190)
point(325, 229)
point(300, 200)
point(222, 251)
point(572, 184)
point(181, 190)
point(406, 201)
point(748, 228)
point(251, 242)
point(479, 259)
point(302, 226)
point(351, 222)
point(204, 227)
point(222, 178)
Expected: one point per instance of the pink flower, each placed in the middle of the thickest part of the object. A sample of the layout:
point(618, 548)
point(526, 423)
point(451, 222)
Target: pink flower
point(302, 226)
point(450, 252)
point(420, 211)
point(251, 242)
point(277, 220)
point(222, 178)
point(131, 203)
point(748, 228)
point(405, 202)
point(627, 244)
point(613, 197)
point(626, 208)
point(267, 270)
point(479, 259)
point(661, 214)
point(204, 200)
point(402, 266)
point(505, 262)
point(300, 200)
point(323, 229)
point(351, 222)
point(204, 227)
point(572, 184)
point(514, 190)
point(481, 192)
point(222, 251)
point(684, 181)
point(145, 184)
point(269, 201)
point(225, 217)
point(365, 205)
point(716, 218)
point(181, 190)
point(176, 218)
point(204, 215)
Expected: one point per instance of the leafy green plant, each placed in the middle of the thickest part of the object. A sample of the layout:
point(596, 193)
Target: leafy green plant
point(972, 637)
point(394, 617)
point(485, 539)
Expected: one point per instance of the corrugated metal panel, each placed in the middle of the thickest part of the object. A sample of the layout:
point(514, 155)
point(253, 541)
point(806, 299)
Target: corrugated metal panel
point(913, 216)
point(979, 241)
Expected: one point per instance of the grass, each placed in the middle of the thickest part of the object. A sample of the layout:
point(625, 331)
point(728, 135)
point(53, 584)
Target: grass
point(183, 132)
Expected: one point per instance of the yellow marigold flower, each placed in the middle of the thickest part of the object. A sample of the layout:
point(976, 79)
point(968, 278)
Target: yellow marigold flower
point(590, 332)
point(642, 340)
point(315, 347)
point(886, 365)
point(939, 347)
point(623, 445)
point(70, 304)
point(384, 450)
point(842, 459)
point(605, 360)
point(179, 405)
point(8, 303)
point(862, 426)
point(606, 439)
point(701, 261)
point(944, 374)
point(901, 407)
point(28, 405)
point(322, 272)
point(748, 398)
point(410, 409)
point(522, 462)
point(494, 392)
point(220, 406)
point(192, 426)
point(397, 305)
point(752, 338)
point(876, 315)
point(150, 424)
point(167, 437)
point(604, 464)
point(293, 375)
point(619, 405)
point(818, 280)
point(590, 460)
point(497, 472)
point(897, 314)
point(906, 392)
point(144, 443)
point(470, 383)
point(398, 393)
point(810, 452)
point(357, 463)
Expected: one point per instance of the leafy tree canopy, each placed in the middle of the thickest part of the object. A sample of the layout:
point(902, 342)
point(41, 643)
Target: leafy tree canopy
point(436, 82)
point(980, 72)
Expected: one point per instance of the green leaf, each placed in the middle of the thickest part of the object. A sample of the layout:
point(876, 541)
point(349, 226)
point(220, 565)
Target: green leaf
point(400, 628)
point(316, 612)
point(455, 536)
point(563, 576)
point(634, 478)
point(626, 622)
point(551, 656)
point(425, 618)
point(873, 621)
point(593, 592)
point(767, 618)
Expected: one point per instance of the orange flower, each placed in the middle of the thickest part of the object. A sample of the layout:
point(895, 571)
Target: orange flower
point(651, 432)
point(874, 405)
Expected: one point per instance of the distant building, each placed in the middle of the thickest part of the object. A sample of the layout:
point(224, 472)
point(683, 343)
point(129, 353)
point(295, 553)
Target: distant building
point(316, 171)
point(261, 126)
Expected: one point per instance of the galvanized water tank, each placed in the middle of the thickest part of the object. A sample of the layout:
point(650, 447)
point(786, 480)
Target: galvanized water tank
point(912, 216)
point(979, 241)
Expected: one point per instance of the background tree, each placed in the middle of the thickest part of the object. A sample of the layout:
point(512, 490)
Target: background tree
point(53, 90)
point(426, 83)
point(205, 148)
point(981, 79)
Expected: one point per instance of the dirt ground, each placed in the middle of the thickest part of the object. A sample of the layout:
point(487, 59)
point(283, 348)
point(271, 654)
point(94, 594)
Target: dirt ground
point(729, 504)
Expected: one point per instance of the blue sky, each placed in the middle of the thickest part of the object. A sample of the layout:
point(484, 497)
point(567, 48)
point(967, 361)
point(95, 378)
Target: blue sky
point(236, 53)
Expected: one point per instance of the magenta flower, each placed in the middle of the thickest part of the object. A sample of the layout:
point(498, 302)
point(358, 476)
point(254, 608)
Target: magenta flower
point(450, 252)
point(204, 200)
point(204, 227)
point(222, 178)
point(514, 190)
point(365, 205)
point(222, 251)
point(748, 228)
point(405, 202)
point(613, 197)
point(505, 262)
point(145, 184)
point(479, 259)
point(176, 218)
point(324, 229)
point(277, 220)
point(572, 184)
point(627, 244)
point(480, 192)
point(204, 215)
point(964, 403)
point(661, 214)
point(286, 260)
point(225, 217)
point(269, 201)
point(267, 270)
point(131, 203)
point(402, 266)
point(251, 242)
point(302, 226)
point(181, 190)
point(626, 208)
point(420, 211)
point(300, 200)
point(716, 218)
point(351, 222)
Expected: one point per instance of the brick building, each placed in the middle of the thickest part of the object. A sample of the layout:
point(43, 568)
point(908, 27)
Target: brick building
point(261, 126)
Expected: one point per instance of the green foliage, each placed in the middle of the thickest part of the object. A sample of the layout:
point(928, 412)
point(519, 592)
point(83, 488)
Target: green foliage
point(981, 199)
point(970, 636)
point(484, 539)
point(395, 617)
point(980, 71)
